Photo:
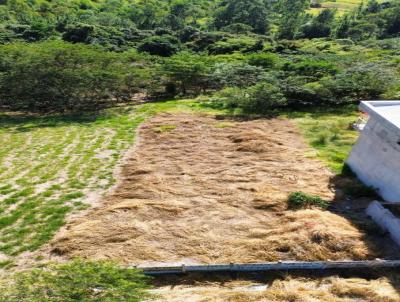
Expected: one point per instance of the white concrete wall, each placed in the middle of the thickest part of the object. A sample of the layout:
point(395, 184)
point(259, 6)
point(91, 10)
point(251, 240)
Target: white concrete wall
point(376, 159)
point(385, 219)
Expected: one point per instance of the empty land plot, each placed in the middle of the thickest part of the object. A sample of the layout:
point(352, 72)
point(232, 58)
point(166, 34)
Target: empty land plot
point(199, 190)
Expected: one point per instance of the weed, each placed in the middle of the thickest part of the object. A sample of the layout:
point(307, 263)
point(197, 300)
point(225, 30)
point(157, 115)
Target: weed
point(164, 128)
point(299, 200)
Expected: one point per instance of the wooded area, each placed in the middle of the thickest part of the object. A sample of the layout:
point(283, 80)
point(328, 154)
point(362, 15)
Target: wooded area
point(250, 54)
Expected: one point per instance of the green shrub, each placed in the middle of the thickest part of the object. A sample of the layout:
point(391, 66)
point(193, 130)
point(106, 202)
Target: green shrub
point(237, 74)
point(366, 81)
point(164, 46)
point(258, 99)
point(238, 28)
point(312, 68)
point(77, 280)
point(264, 60)
point(298, 200)
point(58, 76)
point(261, 98)
point(298, 91)
point(187, 71)
point(228, 98)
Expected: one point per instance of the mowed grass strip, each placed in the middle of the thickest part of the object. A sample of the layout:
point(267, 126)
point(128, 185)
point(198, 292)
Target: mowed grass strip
point(54, 165)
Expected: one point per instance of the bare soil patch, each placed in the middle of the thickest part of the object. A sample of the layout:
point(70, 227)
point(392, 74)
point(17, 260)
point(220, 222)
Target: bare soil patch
point(198, 190)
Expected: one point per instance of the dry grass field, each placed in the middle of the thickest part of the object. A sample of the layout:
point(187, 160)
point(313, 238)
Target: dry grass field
point(196, 189)
point(328, 289)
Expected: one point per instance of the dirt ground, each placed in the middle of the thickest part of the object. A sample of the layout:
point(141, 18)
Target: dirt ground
point(201, 190)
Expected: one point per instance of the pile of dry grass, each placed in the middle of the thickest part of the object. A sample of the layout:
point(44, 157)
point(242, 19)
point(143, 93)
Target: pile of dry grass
point(196, 192)
point(331, 289)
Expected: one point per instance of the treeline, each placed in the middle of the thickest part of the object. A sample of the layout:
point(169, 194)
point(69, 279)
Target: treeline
point(122, 24)
point(250, 54)
point(56, 75)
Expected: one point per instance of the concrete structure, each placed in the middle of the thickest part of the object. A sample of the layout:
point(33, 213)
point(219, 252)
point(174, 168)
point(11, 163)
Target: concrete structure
point(376, 156)
point(385, 219)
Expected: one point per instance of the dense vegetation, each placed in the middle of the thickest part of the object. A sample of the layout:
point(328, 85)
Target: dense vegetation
point(255, 55)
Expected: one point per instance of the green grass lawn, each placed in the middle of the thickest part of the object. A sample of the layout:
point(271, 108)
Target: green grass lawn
point(52, 166)
point(329, 133)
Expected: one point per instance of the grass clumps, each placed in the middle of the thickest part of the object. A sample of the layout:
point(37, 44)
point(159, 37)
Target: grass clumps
point(78, 280)
point(300, 200)
point(164, 128)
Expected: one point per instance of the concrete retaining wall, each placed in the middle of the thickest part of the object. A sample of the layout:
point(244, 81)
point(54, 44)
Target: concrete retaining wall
point(376, 159)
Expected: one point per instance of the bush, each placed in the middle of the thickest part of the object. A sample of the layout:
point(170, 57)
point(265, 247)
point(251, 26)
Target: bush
point(75, 281)
point(312, 68)
point(299, 200)
point(188, 71)
point(367, 81)
point(238, 28)
point(231, 45)
point(201, 41)
point(261, 98)
point(264, 60)
point(164, 46)
point(78, 33)
point(237, 74)
point(57, 76)
point(228, 98)
point(298, 91)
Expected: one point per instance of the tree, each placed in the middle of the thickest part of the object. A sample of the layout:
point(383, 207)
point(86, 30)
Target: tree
point(164, 46)
point(78, 33)
point(392, 19)
point(253, 13)
point(372, 7)
point(291, 17)
point(58, 76)
point(319, 26)
point(237, 74)
point(343, 26)
point(147, 14)
point(188, 70)
point(179, 10)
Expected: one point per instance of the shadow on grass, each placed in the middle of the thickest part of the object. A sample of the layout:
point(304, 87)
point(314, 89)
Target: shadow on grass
point(351, 200)
point(291, 112)
point(25, 122)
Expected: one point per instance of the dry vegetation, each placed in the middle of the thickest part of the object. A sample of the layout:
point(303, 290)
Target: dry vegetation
point(196, 189)
point(331, 289)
